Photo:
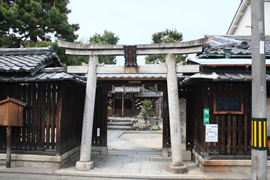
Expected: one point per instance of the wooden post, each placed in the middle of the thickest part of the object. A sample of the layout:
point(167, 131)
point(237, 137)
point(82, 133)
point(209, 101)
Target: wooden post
point(9, 146)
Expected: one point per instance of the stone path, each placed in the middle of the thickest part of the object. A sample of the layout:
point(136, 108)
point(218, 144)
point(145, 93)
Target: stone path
point(115, 143)
point(128, 160)
point(142, 167)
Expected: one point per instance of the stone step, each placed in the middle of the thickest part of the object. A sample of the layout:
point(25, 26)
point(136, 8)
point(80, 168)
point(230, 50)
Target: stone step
point(117, 123)
point(114, 120)
point(111, 118)
point(120, 127)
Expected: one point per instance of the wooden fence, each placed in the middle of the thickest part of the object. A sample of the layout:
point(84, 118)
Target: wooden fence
point(233, 129)
point(48, 126)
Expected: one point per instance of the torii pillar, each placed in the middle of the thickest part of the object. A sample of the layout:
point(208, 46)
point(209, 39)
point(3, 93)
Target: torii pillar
point(177, 165)
point(170, 49)
point(85, 162)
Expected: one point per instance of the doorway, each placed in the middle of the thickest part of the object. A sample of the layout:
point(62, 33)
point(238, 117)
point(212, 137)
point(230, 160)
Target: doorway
point(125, 133)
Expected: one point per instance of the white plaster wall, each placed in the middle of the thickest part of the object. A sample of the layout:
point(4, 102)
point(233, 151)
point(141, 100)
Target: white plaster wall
point(244, 26)
point(267, 17)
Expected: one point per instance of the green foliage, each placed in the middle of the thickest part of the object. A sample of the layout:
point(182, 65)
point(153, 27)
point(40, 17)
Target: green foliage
point(146, 110)
point(34, 20)
point(106, 38)
point(167, 36)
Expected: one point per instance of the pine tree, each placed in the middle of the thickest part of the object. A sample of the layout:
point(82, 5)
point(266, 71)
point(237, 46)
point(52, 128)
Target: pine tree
point(167, 36)
point(34, 20)
point(107, 38)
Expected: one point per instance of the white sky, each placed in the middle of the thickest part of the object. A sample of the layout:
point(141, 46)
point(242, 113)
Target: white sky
point(134, 21)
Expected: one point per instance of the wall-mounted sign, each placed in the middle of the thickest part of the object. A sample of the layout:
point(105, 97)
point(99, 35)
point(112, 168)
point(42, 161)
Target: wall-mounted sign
point(205, 116)
point(130, 55)
point(228, 104)
point(211, 133)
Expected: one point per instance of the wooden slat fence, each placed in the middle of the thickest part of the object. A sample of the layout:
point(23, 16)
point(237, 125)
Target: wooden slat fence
point(42, 117)
point(233, 129)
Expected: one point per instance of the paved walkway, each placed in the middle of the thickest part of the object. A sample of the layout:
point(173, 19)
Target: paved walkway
point(126, 159)
point(123, 161)
point(118, 145)
point(142, 167)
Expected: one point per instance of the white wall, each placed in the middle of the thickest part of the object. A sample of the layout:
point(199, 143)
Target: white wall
point(244, 26)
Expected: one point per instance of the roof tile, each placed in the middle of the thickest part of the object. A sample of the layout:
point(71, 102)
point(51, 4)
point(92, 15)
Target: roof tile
point(25, 59)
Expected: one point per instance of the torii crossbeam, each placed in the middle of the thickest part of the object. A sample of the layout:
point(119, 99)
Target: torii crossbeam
point(168, 49)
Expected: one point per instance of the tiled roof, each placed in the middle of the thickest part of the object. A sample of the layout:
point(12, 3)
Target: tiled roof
point(223, 62)
point(240, 46)
point(135, 76)
point(27, 60)
point(29, 65)
point(46, 74)
point(221, 76)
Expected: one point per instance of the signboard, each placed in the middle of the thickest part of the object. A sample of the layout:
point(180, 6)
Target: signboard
point(228, 103)
point(205, 116)
point(130, 55)
point(211, 133)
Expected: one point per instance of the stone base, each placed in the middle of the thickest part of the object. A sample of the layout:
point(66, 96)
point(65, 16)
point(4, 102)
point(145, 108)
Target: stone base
point(229, 165)
point(42, 161)
point(84, 166)
point(178, 169)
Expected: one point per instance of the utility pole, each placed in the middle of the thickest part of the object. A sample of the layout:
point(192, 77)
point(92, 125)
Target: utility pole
point(259, 118)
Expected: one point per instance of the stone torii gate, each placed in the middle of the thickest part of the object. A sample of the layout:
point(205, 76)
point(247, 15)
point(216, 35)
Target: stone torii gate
point(170, 49)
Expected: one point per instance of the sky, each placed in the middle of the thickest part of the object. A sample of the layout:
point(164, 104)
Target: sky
point(134, 21)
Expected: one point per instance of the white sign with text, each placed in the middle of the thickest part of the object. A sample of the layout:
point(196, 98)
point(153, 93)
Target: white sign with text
point(211, 133)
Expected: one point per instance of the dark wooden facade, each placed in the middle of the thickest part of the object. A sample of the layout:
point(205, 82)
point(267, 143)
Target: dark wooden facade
point(234, 132)
point(100, 116)
point(52, 121)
